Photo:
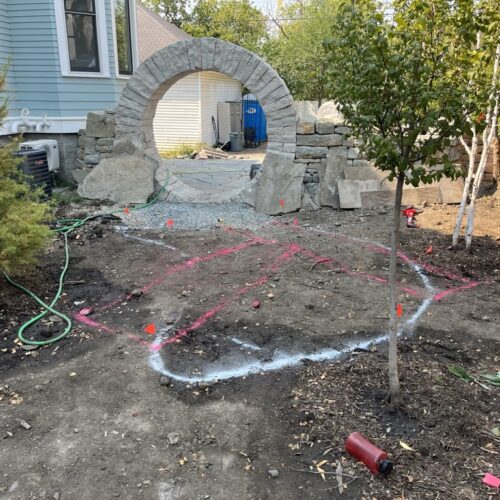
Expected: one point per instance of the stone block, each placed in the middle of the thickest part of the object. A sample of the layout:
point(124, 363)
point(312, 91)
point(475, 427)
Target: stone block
point(128, 146)
point(329, 174)
point(90, 149)
point(319, 140)
point(176, 57)
point(289, 147)
point(306, 116)
point(451, 191)
point(223, 50)
point(208, 52)
point(194, 53)
point(281, 179)
point(84, 141)
point(244, 60)
point(105, 141)
point(350, 191)
point(310, 201)
point(328, 117)
point(158, 73)
point(414, 196)
point(102, 148)
point(342, 130)
point(353, 153)
point(361, 163)
point(348, 142)
point(100, 124)
point(245, 73)
point(311, 152)
point(254, 78)
point(92, 159)
point(283, 102)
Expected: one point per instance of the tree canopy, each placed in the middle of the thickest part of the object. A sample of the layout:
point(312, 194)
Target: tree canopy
point(236, 21)
point(174, 11)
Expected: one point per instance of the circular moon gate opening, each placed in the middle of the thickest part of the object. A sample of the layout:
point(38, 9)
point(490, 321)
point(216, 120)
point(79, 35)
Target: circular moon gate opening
point(137, 106)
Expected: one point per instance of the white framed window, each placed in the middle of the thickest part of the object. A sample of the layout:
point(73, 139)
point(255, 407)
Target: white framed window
point(125, 37)
point(82, 38)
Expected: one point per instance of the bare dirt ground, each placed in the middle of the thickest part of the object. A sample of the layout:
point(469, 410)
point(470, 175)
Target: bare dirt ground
point(264, 353)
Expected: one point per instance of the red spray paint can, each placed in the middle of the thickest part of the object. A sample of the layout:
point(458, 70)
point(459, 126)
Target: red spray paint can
point(365, 451)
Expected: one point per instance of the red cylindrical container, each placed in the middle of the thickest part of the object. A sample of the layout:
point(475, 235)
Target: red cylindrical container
point(374, 458)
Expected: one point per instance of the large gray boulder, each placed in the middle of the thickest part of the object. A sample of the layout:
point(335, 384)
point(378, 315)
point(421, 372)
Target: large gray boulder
point(126, 177)
point(279, 188)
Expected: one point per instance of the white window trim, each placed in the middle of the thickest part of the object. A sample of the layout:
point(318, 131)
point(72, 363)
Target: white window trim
point(102, 41)
point(134, 43)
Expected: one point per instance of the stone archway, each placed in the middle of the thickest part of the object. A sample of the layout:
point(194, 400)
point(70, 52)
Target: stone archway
point(278, 189)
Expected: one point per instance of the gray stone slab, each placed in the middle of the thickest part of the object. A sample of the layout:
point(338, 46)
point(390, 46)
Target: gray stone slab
point(319, 140)
point(279, 188)
point(251, 66)
point(329, 174)
point(350, 191)
point(311, 152)
point(414, 196)
point(255, 77)
point(246, 58)
point(451, 191)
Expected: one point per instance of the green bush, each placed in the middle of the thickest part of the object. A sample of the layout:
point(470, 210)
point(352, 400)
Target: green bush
point(23, 229)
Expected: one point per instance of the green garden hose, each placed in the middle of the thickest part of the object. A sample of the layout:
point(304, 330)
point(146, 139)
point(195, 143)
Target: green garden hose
point(65, 226)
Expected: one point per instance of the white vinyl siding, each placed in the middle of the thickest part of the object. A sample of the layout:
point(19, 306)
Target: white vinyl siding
point(177, 118)
point(215, 87)
point(184, 114)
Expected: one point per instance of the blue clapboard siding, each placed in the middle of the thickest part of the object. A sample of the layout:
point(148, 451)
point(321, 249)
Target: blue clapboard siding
point(28, 35)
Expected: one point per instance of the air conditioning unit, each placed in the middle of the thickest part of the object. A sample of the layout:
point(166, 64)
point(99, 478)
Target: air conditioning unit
point(49, 146)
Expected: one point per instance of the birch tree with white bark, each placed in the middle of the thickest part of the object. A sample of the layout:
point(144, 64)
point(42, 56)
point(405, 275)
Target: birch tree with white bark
point(478, 72)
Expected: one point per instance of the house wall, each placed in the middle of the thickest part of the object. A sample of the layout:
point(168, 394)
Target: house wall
point(36, 81)
point(215, 87)
point(177, 118)
point(184, 115)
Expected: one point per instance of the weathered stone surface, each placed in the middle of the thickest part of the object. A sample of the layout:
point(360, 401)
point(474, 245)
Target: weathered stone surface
point(122, 179)
point(84, 141)
point(319, 140)
point(92, 159)
point(280, 185)
point(208, 52)
point(353, 153)
point(370, 173)
point(361, 163)
point(451, 191)
point(342, 130)
point(105, 141)
point(79, 174)
point(311, 152)
point(327, 118)
point(100, 124)
point(350, 191)
point(329, 175)
point(413, 196)
point(102, 148)
point(306, 116)
point(310, 201)
point(128, 145)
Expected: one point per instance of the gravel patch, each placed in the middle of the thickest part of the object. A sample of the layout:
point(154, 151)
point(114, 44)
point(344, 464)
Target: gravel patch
point(195, 216)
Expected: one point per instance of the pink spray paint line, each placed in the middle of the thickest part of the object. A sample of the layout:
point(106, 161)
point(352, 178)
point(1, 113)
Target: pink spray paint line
point(201, 320)
point(183, 266)
point(438, 296)
point(383, 250)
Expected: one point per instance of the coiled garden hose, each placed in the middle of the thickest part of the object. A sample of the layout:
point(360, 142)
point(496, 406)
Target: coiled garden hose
point(64, 227)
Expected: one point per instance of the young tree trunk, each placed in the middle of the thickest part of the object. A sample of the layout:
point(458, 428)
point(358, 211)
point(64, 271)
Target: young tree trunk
point(488, 136)
point(394, 387)
point(471, 152)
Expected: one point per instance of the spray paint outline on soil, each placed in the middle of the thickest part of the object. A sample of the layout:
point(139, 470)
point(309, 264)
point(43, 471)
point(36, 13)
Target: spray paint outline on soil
point(281, 359)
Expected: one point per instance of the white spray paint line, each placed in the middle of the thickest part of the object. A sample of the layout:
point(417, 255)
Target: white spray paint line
point(286, 360)
point(125, 232)
point(246, 345)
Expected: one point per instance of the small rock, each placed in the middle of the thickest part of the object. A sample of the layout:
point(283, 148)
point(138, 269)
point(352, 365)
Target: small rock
point(273, 473)
point(29, 347)
point(13, 486)
point(25, 424)
point(185, 293)
point(255, 304)
point(55, 319)
point(164, 380)
point(337, 224)
point(173, 438)
point(56, 495)
point(136, 293)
